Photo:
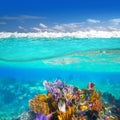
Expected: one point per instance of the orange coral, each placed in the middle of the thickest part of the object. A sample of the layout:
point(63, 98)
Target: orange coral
point(39, 104)
point(66, 115)
point(95, 98)
point(82, 118)
point(97, 105)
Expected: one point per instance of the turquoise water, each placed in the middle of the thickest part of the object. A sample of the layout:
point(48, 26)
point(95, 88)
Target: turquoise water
point(26, 62)
point(63, 53)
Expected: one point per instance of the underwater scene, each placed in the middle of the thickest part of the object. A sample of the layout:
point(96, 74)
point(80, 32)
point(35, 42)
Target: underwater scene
point(63, 78)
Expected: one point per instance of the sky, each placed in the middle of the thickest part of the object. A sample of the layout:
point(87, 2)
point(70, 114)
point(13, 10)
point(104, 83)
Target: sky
point(59, 15)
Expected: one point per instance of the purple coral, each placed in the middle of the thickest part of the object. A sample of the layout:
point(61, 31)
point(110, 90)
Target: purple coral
point(49, 86)
point(40, 116)
point(58, 83)
point(55, 88)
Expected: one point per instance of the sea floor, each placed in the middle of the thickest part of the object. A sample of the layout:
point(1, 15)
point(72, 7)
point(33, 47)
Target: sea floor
point(14, 96)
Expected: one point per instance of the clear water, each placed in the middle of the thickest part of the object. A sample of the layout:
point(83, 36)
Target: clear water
point(26, 62)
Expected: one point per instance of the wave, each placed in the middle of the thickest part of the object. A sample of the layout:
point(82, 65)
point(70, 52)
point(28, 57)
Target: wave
point(90, 53)
point(78, 34)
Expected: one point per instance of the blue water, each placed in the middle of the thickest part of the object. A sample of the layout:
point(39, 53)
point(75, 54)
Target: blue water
point(26, 62)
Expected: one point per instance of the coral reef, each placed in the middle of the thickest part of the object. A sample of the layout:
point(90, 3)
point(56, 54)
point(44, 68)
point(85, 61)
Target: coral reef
point(67, 102)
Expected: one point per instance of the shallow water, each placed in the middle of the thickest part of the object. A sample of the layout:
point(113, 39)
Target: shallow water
point(26, 62)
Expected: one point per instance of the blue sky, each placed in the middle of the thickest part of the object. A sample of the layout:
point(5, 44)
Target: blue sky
point(61, 15)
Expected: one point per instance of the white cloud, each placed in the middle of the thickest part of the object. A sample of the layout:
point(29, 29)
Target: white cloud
point(3, 23)
point(31, 17)
point(87, 25)
point(8, 18)
point(74, 27)
point(70, 27)
point(93, 21)
point(112, 28)
point(42, 26)
point(22, 28)
point(59, 28)
point(115, 21)
point(35, 29)
point(22, 17)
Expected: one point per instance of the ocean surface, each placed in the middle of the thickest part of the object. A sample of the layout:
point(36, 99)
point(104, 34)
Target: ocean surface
point(26, 62)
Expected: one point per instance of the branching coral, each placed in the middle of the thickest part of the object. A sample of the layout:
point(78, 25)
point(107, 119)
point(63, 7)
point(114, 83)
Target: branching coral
point(95, 98)
point(97, 105)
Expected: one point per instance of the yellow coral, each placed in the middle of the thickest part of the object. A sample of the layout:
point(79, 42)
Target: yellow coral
point(39, 104)
point(42, 97)
point(94, 96)
point(49, 95)
point(83, 107)
point(66, 115)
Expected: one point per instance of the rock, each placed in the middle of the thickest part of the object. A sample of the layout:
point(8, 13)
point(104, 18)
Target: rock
point(27, 115)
